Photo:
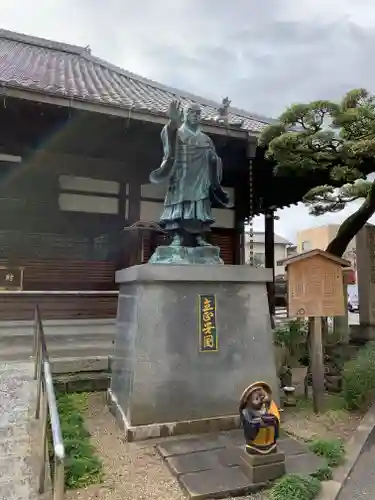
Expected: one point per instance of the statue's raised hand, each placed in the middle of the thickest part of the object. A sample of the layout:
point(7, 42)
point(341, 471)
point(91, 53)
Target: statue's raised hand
point(175, 113)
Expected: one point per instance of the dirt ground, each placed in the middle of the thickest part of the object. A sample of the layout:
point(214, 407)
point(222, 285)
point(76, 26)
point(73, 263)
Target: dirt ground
point(304, 424)
point(134, 471)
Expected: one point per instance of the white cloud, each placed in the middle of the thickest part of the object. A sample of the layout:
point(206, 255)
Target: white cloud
point(263, 55)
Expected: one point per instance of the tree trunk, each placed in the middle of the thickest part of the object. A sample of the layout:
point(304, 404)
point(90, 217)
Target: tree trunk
point(354, 223)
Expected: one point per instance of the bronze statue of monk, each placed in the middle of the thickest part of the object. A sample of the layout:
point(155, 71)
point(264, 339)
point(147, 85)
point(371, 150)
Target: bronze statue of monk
point(193, 171)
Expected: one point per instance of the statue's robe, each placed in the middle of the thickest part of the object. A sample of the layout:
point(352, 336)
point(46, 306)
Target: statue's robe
point(261, 437)
point(193, 171)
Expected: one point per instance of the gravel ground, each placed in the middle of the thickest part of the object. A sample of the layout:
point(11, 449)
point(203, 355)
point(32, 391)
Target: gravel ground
point(133, 471)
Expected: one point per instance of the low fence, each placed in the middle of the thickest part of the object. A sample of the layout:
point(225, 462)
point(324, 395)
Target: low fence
point(46, 410)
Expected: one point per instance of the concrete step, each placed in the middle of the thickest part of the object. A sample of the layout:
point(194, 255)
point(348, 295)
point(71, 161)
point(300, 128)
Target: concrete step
point(65, 338)
point(59, 330)
point(89, 373)
point(53, 340)
point(82, 382)
point(63, 366)
point(67, 329)
point(58, 323)
point(65, 350)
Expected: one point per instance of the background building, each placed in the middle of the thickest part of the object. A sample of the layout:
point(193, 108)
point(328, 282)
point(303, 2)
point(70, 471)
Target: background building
point(283, 249)
point(320, 237)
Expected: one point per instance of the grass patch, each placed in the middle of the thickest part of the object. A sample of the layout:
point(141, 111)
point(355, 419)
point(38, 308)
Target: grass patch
point(82, 466)
point(359, 379)
point(335, 406)
point(331, 449)
point(295, 487)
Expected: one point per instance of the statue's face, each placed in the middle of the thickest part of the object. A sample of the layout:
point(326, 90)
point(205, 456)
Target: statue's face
point(193, 116)
point(258, 398)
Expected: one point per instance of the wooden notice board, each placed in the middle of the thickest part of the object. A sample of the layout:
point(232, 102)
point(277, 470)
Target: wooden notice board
point(315, 287)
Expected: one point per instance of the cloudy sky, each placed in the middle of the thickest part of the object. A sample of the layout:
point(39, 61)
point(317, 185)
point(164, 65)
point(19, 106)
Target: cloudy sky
point(264, 55)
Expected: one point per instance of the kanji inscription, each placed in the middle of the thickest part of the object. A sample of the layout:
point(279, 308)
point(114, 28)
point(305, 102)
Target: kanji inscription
point(11, 278)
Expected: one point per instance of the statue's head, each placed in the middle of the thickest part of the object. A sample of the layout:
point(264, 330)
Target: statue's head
point(256, 396)
point(192, 115)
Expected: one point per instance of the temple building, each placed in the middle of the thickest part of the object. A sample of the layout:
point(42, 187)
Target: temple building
point(79, 137)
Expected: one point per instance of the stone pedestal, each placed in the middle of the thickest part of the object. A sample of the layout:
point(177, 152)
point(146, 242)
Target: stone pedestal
point(365, 248)
point(264, 468)
point(165, 380)
point(186, 255)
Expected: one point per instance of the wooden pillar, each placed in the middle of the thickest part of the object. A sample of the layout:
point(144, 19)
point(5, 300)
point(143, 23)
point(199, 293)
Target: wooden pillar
point(251, 154)
point(269, 243)
point(239, 231)
point(317, 363)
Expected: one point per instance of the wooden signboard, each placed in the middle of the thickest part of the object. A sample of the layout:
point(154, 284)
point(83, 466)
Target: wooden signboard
point(316, 290)
point(11, 278)
point(315, 285)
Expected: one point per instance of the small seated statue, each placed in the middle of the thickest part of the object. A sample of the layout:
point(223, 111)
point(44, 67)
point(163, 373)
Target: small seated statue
point(260, 419)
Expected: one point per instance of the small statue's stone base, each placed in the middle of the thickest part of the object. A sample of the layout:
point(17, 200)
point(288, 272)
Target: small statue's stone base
point(186, 255)
point(264, 468)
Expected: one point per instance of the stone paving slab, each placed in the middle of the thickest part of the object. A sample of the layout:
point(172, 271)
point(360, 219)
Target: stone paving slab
point(211, 484)
point(190, 445)
point(306, 463)
point(204, 460)
point(292, 447)
point(213, 465)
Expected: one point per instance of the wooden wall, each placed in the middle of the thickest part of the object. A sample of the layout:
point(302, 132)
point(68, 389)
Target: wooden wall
point(65, 159)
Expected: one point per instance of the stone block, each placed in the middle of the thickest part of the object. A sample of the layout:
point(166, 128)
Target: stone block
point(160, 377)
point(205, 460)
point(257, 460)
point(264, 468)
point(333, 383)
point(80, 364)
point(290, 446)
point(216, 484)
point(193, 462)
point(306, 464)
point(266, 472)
point(184, 446)
point(82, 382)
point(235, 437)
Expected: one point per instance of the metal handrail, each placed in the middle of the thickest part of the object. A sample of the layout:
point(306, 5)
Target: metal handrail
point(46, 407)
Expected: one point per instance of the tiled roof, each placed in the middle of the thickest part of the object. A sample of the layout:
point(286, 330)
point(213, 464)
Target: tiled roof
point(58, 69)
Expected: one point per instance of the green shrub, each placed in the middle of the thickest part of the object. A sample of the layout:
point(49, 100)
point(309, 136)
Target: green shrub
point(295, 487)
point(324, 473)
point(331, 449)
point(82, 467)
point(83, 471)
point(292, 335)
point(358, 386)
